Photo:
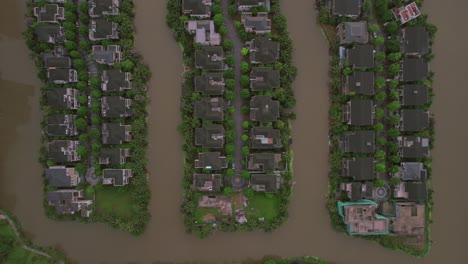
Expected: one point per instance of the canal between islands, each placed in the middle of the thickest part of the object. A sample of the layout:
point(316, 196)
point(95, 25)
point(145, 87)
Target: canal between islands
point(308, 231)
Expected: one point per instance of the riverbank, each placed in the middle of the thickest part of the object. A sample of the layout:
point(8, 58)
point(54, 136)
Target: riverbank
point(375, 175)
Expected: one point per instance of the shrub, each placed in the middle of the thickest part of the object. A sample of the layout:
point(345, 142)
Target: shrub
point(373, 28)
point(245, 124)
point(379, 155)
point(245, 51)
point(245, 150)
point(380, 182)
point(395, 181)
point(227, 191)
point(245, 174)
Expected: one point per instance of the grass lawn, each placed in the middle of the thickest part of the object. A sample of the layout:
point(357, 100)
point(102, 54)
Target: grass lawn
point(202, 211)
point(16, 254)
point(111, 200)
point(262, 206)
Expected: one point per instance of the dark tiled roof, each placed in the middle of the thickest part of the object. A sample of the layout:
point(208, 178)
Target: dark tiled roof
point(360, 112)
point(265, 182)
point(210, 83)
point(60, 97)
point(414, 94)
point(263, 50)
point(58, 177)
point(210, 136)
point(49, 13)
point(265, 138)
point(358, 142)
point(414, 120)
point(207, 182)
point(115, 107)
point(265, 162)
point(45, 32)
point(416, 40)
point(415, 69)
point(112, 156)
point(250, 2)
point(361, 56)
point(417, 191)
point(210, 58)
point(360, 191)
point(60, 75)
point(61, 125)
point(211, 161)
point(359, 168)
point(196, 7)
point(63, 150)
point(100, 7)
point(264, 109)
point(210, 109)
point(360, 83)
point(114, 133)
point(264, 79)
point(347, 7)
point(412, 171)
point(354, 32)
point(118, 176)
point(102, 29)
point(57, 62)
point(413, 147)
point(115, 80)
point(64, 201)
point(257, 23)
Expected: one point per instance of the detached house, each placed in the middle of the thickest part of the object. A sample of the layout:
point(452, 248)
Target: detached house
point(347, 8)
point(259, 24)
point(100, 29)
point(49, 13)
point(113, 156)
point(414, 40)
point(205, 33)
point(414, 95)
point(210, 161)
point(62, 75)
point(59, 67)
point(115, 81)
point(207, 182)
point(360, 57)
point(411, 191)
point(359, 112)
point(49, 33)
point(116, 177)
point(115, 133)
point(210, 58)
point(411, 171)
point(353, 32)
point(268, 183)
point(63, 150)
point(61, 176)
point(246, 5)
point(361, 218)
point(359, 169)
point(210, 84)
point(356, 191)
point(115, 107)
point(413, 120)
point(359, 83)
point(265, 162)
point(264, 109)
point(358, 142)
point(99, 8)
point(69, 202)
point(413, 147)
point(109, 55)
point(197, 8)
point(263, 51)
point(63, 98)
point(414, 69)
point(61, 125)
point(264, 79)
point(210, 136)
point(211, 109)
point(265, 138)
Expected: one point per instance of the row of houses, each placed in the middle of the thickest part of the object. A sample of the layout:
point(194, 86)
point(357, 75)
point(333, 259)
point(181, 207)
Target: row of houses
point(368, 211)
point(64, 101)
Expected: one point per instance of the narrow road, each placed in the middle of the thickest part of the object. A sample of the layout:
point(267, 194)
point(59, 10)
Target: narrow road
point(237, 181)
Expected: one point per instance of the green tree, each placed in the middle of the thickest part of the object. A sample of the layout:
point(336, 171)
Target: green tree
point(216, 9)
point(222, 30)
point(245, 67)
point(381, 141)
point(379, 69)
point(80, 168)
point(245, 51)
point(378, 127)
point(228, 45)
point(395, 159)
point(70, 45)
point(229, 74)
point(127, 65)
point(79, 64)
point(393, 120)
point(82, 99)
point(395, 181)
point(94, 133)
point(232, 10)
point(82, 85)
point(347, 71)
point(95, 120)
point(379, 155)
point(245, 174)
point(394, 69)
point(82, 151)
point(393, 106)
point(245, 124)
point(393, 83)
point(379, 113)
point(249, 192)
point(380, 182)
point(380, 56)
point(218, 20)
point(230, 84)
point(227, 191)
point(380, 82)
point(245, 137)
point(96, 94)
point(373, 28)
point(81, 124)
point(245, 93)
point(230, 95)
point(230, 172)
point(82, 111)
point(229, 60)
point(245, 80)
point(394, 57)
point(83, 138)
point(96, 107)
point(393, 132)
point(392, 45)
point(378, 41)
point(245, 150)
point(230, 148)
point(391, 27)
point(380, 97)
point(75, 54)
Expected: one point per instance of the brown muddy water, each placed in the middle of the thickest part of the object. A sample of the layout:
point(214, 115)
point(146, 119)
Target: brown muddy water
point(307, 232)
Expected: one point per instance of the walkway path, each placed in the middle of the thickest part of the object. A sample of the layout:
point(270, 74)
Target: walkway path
point(18, 237)
point(237, 181)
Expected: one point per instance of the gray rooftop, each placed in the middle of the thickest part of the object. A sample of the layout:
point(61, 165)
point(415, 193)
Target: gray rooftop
point(66, 202)
point(359, 112)
point(358, 142)
point(115, 81)
point(115, 133)
point(417, 191)
point(360, 169)
point(250, 2)
point(268, 183)
point(265, 138)
point(107, 55)
point(63, 150)
point(103, 7)
point(414, 94)
point(361, 56)
point(415, 40)
point(264, 109)
point(63, 98)
point(413, 120)
point(414, 69)
point(61, 75)
point(61, 125)
point(57, 62)
point(413, 147)
point(350, 32)
point(265, 162)
point(113, 156)
point(264, 51)
point(210, 58)
point(102, 28)
point(360, 191)
point(351, 8)
point(196, 7)
point(412, 171)
point(49, 33)
point(49, 13)
point(264, 79)
point(258, 23)
point(117, 177)
point(115, 107)
point(207, 182)
point(210, 161)
point(211, 109)
point(360, 83)
point(210, 136)
point(210, 84)
point(61, 177)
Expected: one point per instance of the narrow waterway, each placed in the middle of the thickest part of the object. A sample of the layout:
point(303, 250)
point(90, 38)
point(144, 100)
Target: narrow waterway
point(307, 232)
